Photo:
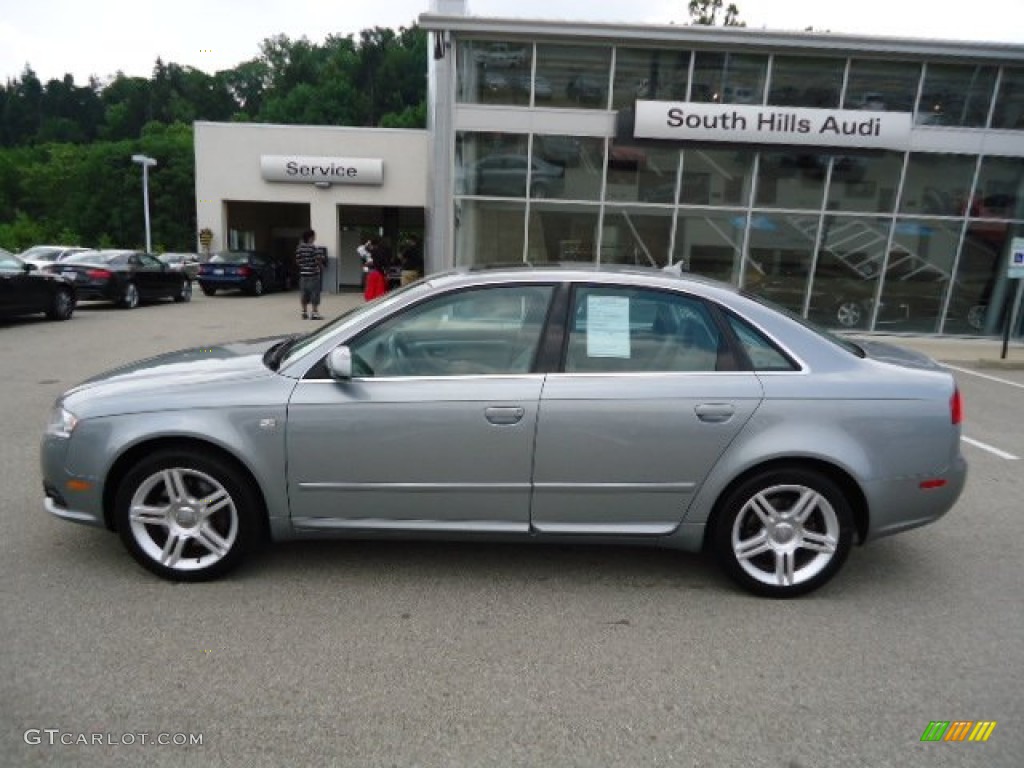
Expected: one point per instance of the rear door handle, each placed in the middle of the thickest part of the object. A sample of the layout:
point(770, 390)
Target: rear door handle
point(714, 413)
point(504, 414)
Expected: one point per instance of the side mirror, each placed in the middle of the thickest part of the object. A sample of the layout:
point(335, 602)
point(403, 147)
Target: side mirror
point(339, 363)
point(29, 267)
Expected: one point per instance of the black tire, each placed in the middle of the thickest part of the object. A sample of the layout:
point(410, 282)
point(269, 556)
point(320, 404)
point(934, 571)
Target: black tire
point(184, 540)
point(256, 289)
point(130, 296)
point(184, 292)
point(783, 532)
point(62, 305)
point(207, 291)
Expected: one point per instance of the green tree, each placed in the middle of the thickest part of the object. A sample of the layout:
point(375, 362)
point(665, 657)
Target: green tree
point(705, 13)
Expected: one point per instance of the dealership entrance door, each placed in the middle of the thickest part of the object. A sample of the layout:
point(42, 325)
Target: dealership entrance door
point(271, 228)
point(357, 223)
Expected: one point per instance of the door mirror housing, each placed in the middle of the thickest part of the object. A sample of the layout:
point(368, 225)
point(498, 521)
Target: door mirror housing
point(339, 363)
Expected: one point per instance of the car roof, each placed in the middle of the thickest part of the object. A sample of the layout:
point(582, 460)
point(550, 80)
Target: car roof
point(672, 277)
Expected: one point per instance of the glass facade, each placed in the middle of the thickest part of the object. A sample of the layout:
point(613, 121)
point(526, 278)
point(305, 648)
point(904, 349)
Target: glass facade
point(907, 240)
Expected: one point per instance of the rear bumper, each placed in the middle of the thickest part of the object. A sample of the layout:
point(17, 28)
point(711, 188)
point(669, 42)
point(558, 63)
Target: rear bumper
point(901, 504)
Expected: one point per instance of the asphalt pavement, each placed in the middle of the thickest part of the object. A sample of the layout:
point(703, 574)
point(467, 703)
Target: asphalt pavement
point(438, 654)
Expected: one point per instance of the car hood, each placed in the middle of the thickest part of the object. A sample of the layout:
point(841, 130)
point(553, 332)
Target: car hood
point(170, 377)
point(896, 355)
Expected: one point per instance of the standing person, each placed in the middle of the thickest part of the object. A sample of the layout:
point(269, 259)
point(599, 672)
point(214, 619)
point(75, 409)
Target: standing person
point(376, 278)
point(412, 261)
point(365, 252)
point(311, 265)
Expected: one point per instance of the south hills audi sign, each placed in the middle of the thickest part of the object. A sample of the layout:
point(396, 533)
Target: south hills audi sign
point(740, 123)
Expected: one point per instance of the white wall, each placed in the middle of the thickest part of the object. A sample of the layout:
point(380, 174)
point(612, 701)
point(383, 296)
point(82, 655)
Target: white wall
point(228, 168)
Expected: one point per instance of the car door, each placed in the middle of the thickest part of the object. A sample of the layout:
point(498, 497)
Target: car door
point(18, 291)
point(161, 279)
point(641, 412)
point(435, 430)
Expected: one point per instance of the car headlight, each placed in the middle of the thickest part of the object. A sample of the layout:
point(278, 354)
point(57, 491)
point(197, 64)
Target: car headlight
point(62, 422)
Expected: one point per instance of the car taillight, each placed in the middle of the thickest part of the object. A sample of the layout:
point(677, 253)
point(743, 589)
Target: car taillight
point(245, 271)
point(956, 407)
point(98, 274)
point(204, 269)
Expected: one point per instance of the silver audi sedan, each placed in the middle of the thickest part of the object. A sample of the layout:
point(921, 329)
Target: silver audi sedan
point(551, 403)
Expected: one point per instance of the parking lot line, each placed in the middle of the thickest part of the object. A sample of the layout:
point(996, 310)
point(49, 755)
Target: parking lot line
point(991, 449)
point(984, 376)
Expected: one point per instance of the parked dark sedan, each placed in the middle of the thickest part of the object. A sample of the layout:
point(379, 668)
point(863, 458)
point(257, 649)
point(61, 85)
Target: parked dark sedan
point(123, 277)
point(250, 272)
point(25, 290)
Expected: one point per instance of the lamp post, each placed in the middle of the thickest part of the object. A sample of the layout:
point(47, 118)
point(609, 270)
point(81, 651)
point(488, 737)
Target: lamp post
point(146, 163)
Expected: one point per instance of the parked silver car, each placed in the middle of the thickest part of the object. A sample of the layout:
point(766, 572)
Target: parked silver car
point(543, 404)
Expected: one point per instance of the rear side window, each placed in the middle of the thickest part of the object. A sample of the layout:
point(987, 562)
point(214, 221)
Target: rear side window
point(764, 356)
point(635, 330)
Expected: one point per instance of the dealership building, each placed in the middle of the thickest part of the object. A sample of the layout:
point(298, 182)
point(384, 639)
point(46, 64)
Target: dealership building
point(864, 182)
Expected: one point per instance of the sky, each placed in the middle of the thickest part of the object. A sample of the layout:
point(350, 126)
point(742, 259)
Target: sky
point(102, 37)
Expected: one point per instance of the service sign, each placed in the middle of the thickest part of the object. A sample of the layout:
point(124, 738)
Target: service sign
point(742, 123)
point(321, 170)
point(1016, 265)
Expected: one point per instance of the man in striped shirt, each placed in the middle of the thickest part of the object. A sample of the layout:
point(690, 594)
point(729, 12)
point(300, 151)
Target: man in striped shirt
point(310, 264)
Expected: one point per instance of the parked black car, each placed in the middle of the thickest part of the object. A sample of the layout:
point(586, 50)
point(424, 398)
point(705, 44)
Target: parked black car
point(25, 290)
point(251, 272)
point(123, 277)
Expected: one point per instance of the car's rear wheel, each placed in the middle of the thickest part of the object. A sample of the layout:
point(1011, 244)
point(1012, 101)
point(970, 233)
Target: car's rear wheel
point(207, 290)
point(784, 532)
point(849, 314)
point(62, 305)
point(130, 297)
point(184, 292)
point(256, 289)
point(186, 516)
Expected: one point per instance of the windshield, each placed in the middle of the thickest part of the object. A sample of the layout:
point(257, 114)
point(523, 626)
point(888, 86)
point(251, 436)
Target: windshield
point(230, 257)
point(839, 341)
point(92, 257)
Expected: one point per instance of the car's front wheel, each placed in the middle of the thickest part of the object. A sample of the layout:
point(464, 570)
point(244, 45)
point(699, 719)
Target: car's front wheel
point(62, 305)
point(130, 297)
point(784, 532)
point(186, 516)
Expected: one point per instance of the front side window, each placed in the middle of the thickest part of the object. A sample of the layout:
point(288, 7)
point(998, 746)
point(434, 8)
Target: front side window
point(483, 331)
point(633, 330)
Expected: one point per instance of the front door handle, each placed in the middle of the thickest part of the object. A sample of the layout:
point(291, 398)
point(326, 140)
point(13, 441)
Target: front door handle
point(714, 413)
point(504, 414)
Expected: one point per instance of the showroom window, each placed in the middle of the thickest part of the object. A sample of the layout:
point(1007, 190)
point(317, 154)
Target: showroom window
point(865, 183)
point(578, 75)
point(654, 74)
point(637, 235)
point(803, 81)
point(494, 72)
point(882, 86)
point(489, 231)
point(710, 243)
point(937, 184)
point(1009, 106)
point(728, 78)
point(956, 95)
